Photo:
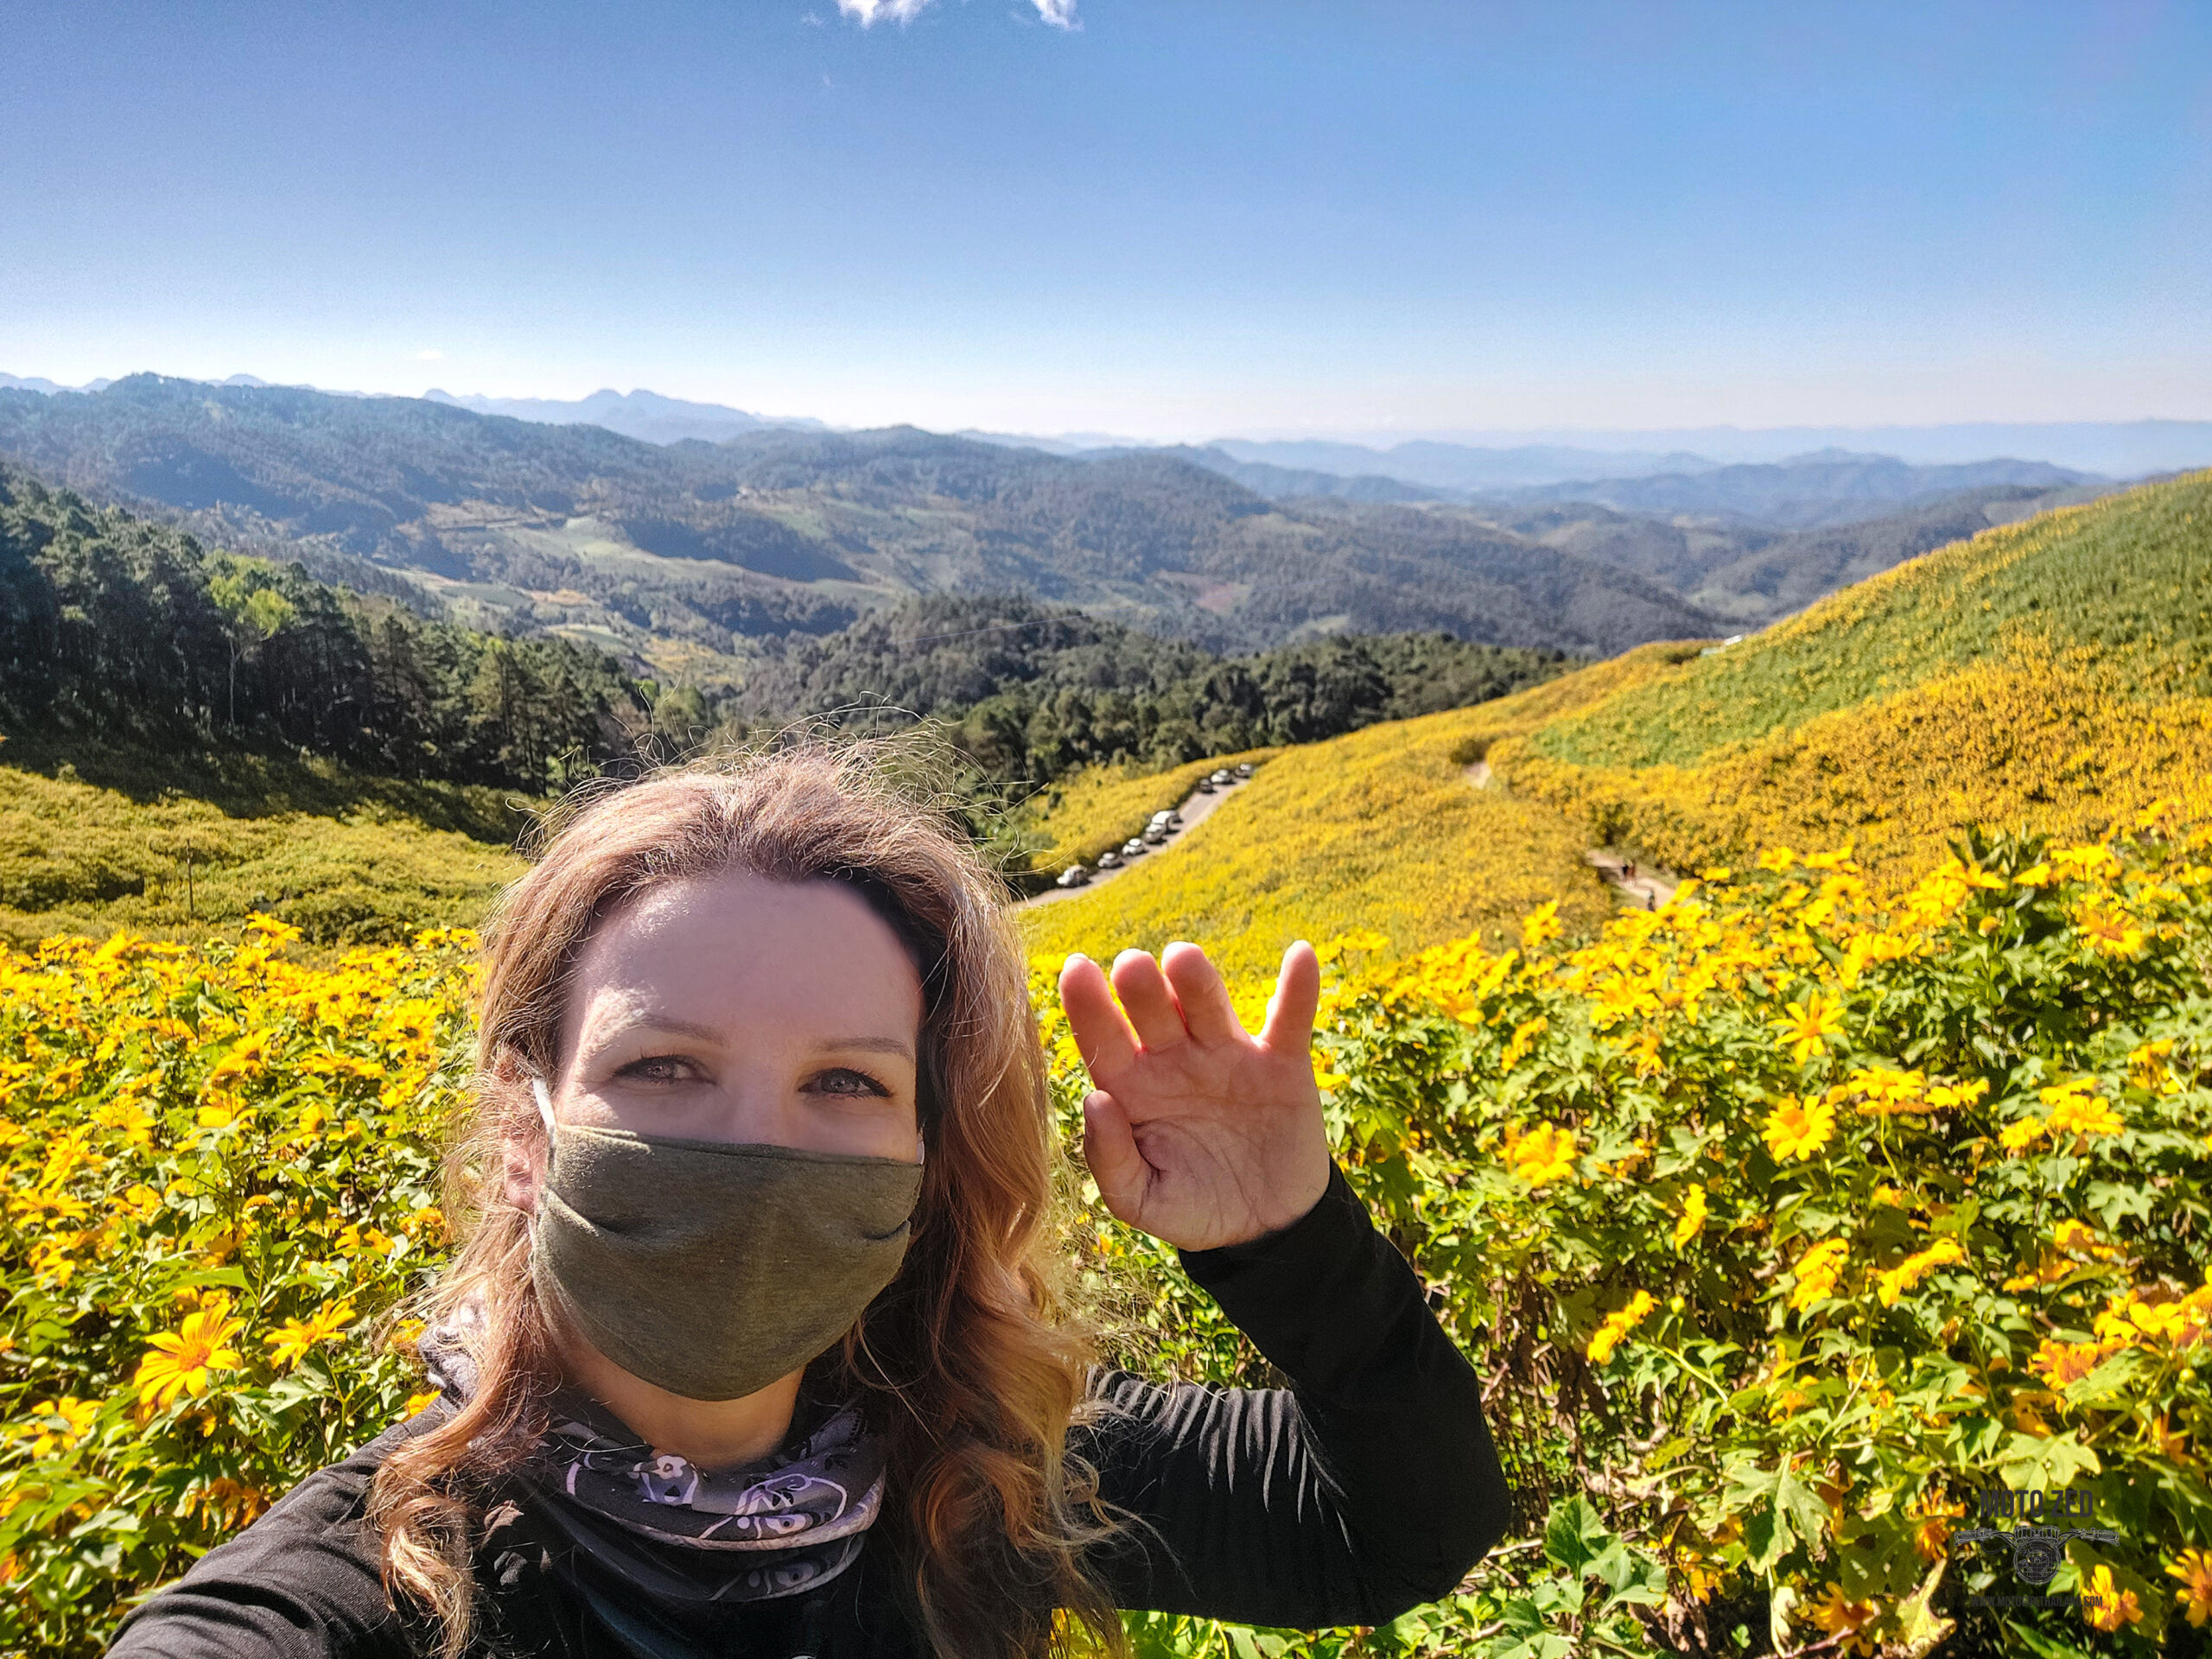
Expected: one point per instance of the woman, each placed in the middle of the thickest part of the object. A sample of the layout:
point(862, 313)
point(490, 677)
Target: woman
point(754, 1344)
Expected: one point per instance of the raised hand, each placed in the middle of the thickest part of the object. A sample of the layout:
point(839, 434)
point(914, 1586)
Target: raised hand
point(1197, 1132)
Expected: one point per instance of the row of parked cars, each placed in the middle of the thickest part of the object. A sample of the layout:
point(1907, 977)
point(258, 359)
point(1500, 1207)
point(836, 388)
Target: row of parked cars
point(1165, 823)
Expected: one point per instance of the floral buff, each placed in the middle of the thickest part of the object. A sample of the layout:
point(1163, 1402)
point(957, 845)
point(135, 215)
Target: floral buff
point(778, 1526)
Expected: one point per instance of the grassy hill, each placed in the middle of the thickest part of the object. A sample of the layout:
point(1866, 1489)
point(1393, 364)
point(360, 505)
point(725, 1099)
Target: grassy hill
point(1378, 831)
point(2055, 673)
point(78, 858)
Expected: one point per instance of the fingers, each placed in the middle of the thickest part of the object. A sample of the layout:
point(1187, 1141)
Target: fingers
point(1208, 1013)
point(1109, 1146)
point(1148, 999)
point(1297, 999)
point(1101, 1034)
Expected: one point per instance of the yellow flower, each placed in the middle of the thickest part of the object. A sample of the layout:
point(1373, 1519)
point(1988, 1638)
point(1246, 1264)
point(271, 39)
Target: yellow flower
point(1542, 923)
point(66, 1420)
point(1932, 1533)
point(2194, 1569)
point(419, 1402)
point(2021, 1134)
point(1524, 1038)
point(1818, 1269)
point(1545, 1153)
point(1776, 858)
point(2106, 1604)
point(2078, 1115)
point(180, 1361)
point(1915, 1268)
point(1617, 1325)
point(1798, 1129)
point(1885, 1091)
point(1840, 1616)
point(1692, 1223)
point(2061, 1362)
point(290, 1343)
point(2110, 933)
point(1944, 1096)
point(1810, 1024)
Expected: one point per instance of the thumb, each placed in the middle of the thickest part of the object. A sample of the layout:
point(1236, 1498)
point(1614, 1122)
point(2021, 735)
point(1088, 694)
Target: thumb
point(1109, 1146)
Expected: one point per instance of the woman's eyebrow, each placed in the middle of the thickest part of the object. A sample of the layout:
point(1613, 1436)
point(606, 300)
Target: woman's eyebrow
point(903, 1049)
point(670, 1025)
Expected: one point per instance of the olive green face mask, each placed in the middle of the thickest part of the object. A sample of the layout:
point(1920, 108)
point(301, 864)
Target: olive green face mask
point(707, 1268)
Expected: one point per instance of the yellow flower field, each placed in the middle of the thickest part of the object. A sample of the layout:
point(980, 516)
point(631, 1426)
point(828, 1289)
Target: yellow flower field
point(2054, 675)
point(1103, 806)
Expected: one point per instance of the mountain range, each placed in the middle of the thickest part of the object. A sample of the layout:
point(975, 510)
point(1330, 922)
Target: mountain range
point(676, 556)
point(682, 553)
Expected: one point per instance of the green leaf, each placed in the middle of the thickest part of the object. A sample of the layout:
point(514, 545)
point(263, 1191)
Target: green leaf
point(2036, 1463)
point(1807, 1510)
point(1575, 1535)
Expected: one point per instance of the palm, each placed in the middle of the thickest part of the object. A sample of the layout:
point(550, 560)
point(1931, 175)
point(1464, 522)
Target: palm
point(1199, 1132)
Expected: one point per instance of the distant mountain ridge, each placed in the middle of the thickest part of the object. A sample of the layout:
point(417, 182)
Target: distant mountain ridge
point(676, 555)
point(1829, 487)
point(643, 415)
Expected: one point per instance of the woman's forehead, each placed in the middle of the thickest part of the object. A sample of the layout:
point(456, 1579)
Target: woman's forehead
point(736, 936)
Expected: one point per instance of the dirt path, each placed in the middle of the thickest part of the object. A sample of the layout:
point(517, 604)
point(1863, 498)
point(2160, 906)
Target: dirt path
point(1647, 889)
point(1195, 812)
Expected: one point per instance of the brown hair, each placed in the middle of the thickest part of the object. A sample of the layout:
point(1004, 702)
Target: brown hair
point(965, 1364)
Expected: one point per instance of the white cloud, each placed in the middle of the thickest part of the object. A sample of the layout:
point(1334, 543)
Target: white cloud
point(870, 12)
point(428, 354)
point(1058, 13)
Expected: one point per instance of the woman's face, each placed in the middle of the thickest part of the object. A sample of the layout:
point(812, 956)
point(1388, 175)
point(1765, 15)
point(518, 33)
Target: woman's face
point(731, 1007)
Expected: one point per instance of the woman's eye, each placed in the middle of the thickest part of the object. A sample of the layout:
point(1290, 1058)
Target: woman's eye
point(658, 1068)
point(841, 1081)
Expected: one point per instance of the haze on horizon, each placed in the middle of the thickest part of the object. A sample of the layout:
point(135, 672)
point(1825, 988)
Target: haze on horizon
point(1129, 217)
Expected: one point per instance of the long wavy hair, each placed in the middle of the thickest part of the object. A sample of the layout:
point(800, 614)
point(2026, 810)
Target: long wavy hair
point(969, 1362)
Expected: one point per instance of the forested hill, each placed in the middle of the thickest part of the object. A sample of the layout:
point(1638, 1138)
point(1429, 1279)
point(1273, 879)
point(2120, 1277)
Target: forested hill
point(116, 632)
point(1031, 694)
point(680, 555)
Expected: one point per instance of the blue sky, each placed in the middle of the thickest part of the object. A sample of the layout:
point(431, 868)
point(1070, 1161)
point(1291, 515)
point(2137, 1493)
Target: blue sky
point(1170, 218)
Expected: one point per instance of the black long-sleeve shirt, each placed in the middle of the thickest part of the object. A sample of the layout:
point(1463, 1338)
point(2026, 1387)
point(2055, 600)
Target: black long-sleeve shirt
point(1366, 1487)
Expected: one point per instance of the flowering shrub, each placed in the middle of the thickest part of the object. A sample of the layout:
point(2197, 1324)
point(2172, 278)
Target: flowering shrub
point(1785, 1221)
point(218, 1168)
point(1786, 1225)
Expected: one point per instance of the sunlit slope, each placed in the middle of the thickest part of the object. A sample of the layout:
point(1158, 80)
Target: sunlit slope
point(75, 858)
point(1378, 829)
point(2055, 673)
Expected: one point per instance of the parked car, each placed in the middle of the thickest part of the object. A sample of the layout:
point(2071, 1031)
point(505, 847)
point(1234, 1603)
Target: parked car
point(1174, 821)
point(1205, 786)
point(1109, 859)
point(1074, 876)
point(1244, 768)
point(1134, 846)
point(1154, 834)
point(1221, 777)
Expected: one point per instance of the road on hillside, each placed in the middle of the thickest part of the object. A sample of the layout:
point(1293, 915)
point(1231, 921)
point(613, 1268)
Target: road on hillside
point(1194, 811)
point(1647, 889)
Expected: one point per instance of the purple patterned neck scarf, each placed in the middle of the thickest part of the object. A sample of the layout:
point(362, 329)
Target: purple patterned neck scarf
point(778, 1526)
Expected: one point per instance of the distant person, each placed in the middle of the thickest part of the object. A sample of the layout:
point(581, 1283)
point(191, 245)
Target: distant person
point(753, 1344)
